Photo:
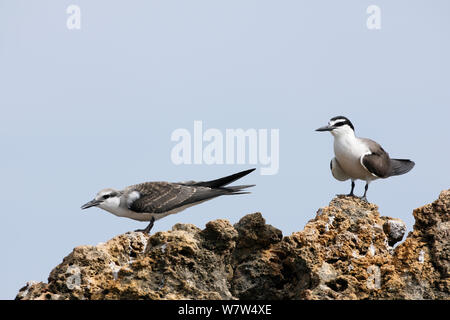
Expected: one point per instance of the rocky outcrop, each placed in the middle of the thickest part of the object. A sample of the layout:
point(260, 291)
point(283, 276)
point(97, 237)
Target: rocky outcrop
point(345, 252)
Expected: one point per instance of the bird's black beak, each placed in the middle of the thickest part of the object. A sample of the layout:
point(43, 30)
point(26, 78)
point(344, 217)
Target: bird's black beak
point(325, 128)
point(91, 203)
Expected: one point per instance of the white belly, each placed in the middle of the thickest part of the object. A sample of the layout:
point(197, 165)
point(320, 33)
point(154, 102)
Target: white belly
point(348, 152)
point(127, 213)
point(123, 212)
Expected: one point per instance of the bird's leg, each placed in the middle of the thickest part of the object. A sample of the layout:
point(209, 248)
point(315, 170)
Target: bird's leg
point(148, 228)
point(364, 198)
point(351, 194)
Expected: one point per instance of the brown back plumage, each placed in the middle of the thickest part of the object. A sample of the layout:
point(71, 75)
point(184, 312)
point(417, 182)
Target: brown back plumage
point(161, 197)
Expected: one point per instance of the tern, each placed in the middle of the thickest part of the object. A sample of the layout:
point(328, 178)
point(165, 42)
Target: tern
point(360, 158)
point(151, 201)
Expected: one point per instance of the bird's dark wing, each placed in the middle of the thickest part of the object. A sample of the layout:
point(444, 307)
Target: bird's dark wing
point(161, 197)
point(377, 162)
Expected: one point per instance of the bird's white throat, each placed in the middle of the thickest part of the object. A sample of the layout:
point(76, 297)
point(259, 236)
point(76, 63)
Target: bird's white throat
point(344, 131)
point(110, 204)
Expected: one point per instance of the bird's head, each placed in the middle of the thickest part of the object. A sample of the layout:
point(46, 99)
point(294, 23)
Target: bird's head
point(106, 198)
point(338, 126)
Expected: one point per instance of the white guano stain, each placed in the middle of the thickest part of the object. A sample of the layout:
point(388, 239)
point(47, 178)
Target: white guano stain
point(374, 278)
point(421, 256)
point(74, 280)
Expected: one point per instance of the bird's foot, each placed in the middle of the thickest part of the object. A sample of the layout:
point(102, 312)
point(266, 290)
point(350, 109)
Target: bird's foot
point(142, 230)
point(364, 198)
point(347, 195)
point(148, 228)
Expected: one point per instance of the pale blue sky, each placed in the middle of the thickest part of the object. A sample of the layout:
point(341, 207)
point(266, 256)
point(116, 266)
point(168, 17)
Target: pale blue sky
point(93, 108)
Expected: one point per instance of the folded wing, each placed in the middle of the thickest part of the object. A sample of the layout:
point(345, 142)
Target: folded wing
point(161, 197)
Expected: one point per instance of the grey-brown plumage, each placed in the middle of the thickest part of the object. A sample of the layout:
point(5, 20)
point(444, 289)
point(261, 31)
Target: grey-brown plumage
point(160, 197)
point(380, 164)
point(151, 201)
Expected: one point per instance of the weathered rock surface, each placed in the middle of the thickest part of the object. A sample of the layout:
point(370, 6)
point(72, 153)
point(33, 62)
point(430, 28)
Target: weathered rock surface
point(345, 252)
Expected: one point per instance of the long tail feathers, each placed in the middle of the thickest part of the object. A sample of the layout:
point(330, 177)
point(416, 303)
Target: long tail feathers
point(238, 189)
point(221, 182)
point(400, 166)
point(204, 194)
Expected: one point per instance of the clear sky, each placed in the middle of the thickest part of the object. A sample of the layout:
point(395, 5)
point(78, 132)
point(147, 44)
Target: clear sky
point(95, 107)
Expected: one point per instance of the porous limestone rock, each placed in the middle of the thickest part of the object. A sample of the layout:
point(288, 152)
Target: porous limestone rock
point(345, 252)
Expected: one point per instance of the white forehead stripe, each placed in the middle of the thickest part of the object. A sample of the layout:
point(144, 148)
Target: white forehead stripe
point(333, 122)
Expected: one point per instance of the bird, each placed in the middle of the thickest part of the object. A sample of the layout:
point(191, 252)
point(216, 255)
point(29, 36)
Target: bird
point(360, 158)
point(151, 201)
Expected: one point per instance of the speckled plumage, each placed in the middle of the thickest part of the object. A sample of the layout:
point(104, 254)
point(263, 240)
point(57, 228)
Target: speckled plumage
point(161, 197)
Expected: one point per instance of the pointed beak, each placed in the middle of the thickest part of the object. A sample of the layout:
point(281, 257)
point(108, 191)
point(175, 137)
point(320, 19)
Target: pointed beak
point(92, 203)
point(325, 128)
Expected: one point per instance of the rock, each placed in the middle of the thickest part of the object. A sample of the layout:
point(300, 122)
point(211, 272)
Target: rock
point(395, 229)
point(422, 261)
point(256, 264)
point(345, 252)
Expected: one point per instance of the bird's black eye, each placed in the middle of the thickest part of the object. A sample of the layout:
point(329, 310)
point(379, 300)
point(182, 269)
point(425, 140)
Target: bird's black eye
point(106, 196)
